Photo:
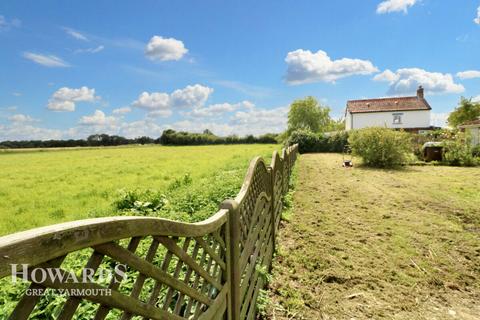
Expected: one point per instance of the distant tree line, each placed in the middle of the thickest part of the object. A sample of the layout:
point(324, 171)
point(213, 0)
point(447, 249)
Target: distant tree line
point(169, 137)
point(174, 138)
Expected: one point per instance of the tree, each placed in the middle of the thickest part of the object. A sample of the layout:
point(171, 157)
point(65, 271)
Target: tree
point(310, 115)
point(465, 111)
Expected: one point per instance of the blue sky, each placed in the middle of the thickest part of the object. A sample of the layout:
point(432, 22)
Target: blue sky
point(70, 69)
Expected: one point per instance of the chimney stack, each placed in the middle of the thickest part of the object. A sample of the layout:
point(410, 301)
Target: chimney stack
point(420, 92)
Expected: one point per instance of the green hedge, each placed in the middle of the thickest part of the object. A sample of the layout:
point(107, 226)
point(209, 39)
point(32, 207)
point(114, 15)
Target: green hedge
point(316, 142)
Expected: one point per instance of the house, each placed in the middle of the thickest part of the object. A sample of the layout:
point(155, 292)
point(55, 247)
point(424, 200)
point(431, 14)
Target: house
point(472, 129)
point(408, 113)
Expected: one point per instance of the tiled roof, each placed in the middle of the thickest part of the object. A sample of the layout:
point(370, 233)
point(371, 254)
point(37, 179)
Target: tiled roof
point(388, 104)
point(471, 123)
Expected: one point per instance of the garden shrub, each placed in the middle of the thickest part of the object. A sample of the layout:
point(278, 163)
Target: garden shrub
point(306, 139)
point(309, 141)
point(380, 147)
point(459, 152)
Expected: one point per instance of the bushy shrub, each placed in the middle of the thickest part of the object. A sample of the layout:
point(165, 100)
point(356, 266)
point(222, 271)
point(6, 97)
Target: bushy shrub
point(306, 139)
point(317, 142)
point(459, 152)
point(380, 147)
point(337, 141)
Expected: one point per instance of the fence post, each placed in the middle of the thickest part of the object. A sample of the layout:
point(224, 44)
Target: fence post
point(271, 172)
point(233, 257)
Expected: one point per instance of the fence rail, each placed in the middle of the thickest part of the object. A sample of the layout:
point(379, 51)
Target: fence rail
point(174, 270)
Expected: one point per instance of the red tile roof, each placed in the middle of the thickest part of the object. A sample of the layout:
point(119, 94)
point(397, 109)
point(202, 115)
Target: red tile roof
point(471, 123)
point(388, 104)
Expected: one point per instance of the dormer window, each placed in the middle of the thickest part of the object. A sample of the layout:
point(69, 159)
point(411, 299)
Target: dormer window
point(397, 118)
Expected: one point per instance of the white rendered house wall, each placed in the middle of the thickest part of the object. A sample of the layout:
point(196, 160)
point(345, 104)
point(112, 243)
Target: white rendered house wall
point(389, 119)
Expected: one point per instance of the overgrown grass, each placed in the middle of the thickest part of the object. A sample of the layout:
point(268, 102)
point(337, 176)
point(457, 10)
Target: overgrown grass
point(183, 183)
point(42, 188)
point(379, 244)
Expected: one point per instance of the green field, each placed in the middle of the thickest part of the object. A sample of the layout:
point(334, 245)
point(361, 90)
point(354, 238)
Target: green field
point(42, 187)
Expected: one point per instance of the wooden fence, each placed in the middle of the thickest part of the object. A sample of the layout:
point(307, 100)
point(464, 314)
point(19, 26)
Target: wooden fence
point(207, 270)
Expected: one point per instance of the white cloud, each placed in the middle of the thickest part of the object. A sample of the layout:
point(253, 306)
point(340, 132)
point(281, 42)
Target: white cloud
point(407, 80)
point(152, 101)
point(45, 60)
point(476, 99)
point(387, 76)
point(469, 74)
point(477, 19)
point(219, 108)
point(161, 104)
point(24, 131)
point(122, 110)
point(165, 49)
point(98, 118)
point(64, 98)
point(305, 66)
point(21, 118)
point(395, 6)
point(259, 120)
point(75, 34)
point(90, 50)
point(191, 96)
point(439, 119)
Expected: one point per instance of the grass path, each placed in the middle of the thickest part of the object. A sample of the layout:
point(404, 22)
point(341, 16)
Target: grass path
point(379, 244)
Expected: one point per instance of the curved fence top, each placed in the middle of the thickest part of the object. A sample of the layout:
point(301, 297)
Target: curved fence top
point(177, 270)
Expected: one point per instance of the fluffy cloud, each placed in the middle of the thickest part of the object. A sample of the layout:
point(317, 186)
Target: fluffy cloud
point(305, 66)
point(21, 118)
point(165, 49)
point(439, 119)
point(407, 80)
point(122, 110)
point(75, 34)
point(45, 60)
point(259, 121)
point(98, 118)
point(160, 104)
point(220, 108)
point(191, 96)
point(469, 74)
point(477, 19)
point(152, 101)
point(476, 99)
point(64, 98)
point(25, 131)
point(394, 6)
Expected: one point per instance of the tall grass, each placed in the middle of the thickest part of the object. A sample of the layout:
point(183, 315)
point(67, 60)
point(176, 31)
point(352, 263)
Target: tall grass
point(42, 188)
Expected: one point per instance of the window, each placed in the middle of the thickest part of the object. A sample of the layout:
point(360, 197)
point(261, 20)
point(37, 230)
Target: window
point(397, 118)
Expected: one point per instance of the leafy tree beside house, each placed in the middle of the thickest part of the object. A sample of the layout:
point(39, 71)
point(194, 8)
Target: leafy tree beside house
point(309, 114)
point(308, 121)
point(467, 110)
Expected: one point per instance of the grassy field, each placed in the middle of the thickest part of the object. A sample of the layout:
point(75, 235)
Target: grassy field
point(379, 244)
point(43, 187)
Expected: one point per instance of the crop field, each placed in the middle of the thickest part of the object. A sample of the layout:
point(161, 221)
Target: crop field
point(42, 187)
point(366, 243)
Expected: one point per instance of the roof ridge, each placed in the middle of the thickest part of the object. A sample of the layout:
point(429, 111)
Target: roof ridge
point(386, 98)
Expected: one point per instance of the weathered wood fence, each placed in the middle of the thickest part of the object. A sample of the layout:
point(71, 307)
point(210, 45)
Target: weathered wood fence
point(207, 270)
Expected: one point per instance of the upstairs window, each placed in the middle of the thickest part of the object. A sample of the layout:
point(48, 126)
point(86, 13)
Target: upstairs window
point(397, 118)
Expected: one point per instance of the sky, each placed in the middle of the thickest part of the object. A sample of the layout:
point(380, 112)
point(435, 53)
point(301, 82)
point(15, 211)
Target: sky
point(70, 69)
